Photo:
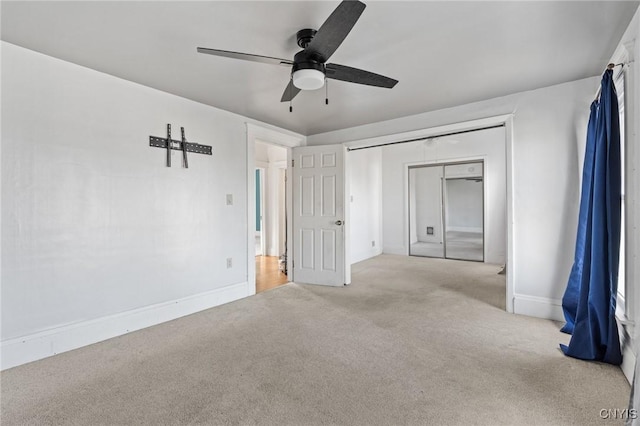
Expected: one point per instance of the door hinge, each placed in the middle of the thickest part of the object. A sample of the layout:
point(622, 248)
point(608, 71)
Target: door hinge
point(293, 163)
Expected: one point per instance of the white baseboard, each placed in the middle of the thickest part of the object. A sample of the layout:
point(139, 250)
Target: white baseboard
point(364, 255)
point(539, 307)
point(401, 250)
point(628, 357)
point(43, 344)
point(628, 362)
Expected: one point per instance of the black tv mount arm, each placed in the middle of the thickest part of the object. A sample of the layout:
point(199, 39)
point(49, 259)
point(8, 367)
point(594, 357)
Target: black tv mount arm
point(184, 146)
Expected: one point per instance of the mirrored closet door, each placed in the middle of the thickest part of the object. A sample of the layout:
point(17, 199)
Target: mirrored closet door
point(426, 218)
point(446, 211)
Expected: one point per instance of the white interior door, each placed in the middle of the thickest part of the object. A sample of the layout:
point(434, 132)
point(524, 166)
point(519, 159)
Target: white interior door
point(319, 229)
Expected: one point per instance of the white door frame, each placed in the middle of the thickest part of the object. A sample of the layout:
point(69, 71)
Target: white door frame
point(271, 208)
point(507, 121)
point(277, 137)
point(262, 169)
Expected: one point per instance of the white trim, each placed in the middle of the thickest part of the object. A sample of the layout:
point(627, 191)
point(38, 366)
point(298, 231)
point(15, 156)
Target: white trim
point(632, 190)
point(511, 260)
point(251, 209)
point(32, 347)
point(621, 315)
point(628, 51)
point(346, 214)
point(539, 307)
point(626, 345)
point(261, 233)
point(628, 362)
point(627, 307)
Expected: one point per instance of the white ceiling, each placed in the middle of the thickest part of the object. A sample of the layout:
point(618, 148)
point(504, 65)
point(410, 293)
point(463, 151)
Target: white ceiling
point(443, 53)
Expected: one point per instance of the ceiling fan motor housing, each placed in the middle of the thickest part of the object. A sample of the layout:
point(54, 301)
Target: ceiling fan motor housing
point(303, 61)
point(307, 72)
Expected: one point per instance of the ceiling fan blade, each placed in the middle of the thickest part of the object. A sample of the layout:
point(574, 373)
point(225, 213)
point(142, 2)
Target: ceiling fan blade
point(335, 29)
point(246, 56)
point(355, 75)
point(290, 92)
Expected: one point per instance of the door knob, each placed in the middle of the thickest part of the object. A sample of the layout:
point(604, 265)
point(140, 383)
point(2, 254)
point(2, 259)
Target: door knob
point(338, 222)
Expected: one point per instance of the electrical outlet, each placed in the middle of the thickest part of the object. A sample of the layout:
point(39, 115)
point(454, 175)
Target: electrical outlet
point(373, 243)
point(229, 199)
point(229, 262)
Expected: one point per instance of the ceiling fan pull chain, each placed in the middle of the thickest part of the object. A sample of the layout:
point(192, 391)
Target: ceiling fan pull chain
point(326, 88)
point(291, 97)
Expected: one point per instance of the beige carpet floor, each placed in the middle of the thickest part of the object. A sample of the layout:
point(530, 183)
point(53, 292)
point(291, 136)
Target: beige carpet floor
point(413, 341)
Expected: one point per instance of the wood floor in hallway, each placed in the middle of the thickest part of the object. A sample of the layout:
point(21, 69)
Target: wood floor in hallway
point(268, 274)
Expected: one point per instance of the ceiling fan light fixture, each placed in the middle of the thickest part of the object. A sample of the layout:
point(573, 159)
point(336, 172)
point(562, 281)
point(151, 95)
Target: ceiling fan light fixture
point(308, 79)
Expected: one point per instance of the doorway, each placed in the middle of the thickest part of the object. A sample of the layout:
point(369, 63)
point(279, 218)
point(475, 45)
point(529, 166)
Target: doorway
point(446, 210)
point(271, 217)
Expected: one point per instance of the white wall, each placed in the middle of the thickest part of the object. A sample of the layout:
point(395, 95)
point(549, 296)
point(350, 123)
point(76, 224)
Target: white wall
point(99, 237)
point(365, 176)
point(549, 128)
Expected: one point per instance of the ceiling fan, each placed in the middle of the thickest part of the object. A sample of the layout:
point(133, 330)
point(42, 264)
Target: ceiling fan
point(309, 68)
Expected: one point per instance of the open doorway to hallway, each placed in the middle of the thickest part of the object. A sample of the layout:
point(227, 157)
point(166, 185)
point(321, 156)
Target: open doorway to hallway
point(271, 220)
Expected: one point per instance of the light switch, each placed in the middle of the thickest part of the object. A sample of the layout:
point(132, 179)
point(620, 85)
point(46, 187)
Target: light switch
point(229, 199)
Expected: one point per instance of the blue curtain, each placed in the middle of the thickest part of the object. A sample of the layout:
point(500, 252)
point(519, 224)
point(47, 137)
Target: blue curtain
point(589, 302)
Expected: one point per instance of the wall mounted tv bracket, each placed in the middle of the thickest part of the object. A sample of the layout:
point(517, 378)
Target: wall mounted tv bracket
point(184, 146)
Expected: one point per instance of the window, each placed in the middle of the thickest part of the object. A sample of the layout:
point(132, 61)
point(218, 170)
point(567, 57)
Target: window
point(619, 82)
